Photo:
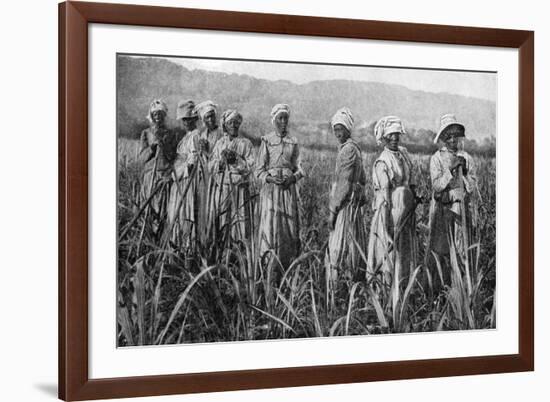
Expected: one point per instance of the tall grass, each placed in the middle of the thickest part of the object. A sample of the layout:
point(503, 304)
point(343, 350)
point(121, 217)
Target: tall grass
point(219, 292)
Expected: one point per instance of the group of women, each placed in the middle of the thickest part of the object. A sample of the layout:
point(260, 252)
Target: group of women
point(204, 178)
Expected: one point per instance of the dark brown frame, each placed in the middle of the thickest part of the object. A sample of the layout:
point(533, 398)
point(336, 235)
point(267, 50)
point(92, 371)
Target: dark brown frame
point(74, 383)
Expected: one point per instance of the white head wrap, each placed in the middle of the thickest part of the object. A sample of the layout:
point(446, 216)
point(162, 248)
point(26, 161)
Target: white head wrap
point(228, 116)
point(156, 105)
point(344, 117)
point(206, 107)
point(386, 126)
point(277, 109)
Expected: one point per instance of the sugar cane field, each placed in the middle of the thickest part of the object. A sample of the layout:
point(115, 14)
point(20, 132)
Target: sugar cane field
point(167, 297)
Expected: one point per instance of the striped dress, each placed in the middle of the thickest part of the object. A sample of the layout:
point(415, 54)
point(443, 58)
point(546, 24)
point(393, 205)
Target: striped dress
point(185, 200)
point(279, 227)
point(448, 198)
point(229, 205)
point(157, 153)
point(212, 137)
point(348, 240)
point(393, 244)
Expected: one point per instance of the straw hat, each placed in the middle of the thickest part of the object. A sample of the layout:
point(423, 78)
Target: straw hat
point(186, 109)
point(448, 120)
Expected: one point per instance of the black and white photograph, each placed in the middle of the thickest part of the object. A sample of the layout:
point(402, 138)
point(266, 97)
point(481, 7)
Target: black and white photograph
point(275, 201)
point(267, 200)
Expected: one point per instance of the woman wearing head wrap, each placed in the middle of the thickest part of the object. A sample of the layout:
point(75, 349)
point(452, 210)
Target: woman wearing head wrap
point(454, 187)
point(278, 168)
point(231, 162)
point(393, 246)
point(210, 133)
point(189, 172)
point(157, 153)
point(348, 235)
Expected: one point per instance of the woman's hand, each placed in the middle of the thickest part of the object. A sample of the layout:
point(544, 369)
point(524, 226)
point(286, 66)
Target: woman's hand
point(459, 161)
point(274, 180)
point(204, 145)
point(166, 177)
point(285, 182)
point(417, 199)
point(229, 156)
point(288, 181)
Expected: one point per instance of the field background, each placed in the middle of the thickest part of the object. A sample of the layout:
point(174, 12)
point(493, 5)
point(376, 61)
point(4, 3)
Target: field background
point(38, 336)
point(221, 294)
point(228, 298)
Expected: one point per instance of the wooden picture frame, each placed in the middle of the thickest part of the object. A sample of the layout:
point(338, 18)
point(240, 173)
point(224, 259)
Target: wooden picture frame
point(74, 381)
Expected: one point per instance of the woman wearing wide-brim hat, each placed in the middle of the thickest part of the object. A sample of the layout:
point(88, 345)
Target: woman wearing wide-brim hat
point(454, 183)
point(184, 197)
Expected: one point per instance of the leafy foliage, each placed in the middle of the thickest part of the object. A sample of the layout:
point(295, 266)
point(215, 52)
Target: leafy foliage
point(167, 296)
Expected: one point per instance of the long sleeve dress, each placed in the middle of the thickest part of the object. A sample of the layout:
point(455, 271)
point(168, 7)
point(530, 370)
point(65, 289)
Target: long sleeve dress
point(185, 193)
point(157, 153)
point(279, 227)
point(447, 202)
point(346, 200)
point(211, 137)
point(229, 205)
point(393, 244)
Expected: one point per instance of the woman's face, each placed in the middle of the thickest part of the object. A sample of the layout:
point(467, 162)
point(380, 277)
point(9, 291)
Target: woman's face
point(281, 124)
point(157, 116)
point(452, 142)
point(392, 141)
point(341, 133)
point(188, 123)
point(210, 120)
point(232, 127)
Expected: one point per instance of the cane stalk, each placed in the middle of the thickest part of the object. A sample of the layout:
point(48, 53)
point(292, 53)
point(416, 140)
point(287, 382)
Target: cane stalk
point(168, 233)
point(138, 214)
point(152, 181)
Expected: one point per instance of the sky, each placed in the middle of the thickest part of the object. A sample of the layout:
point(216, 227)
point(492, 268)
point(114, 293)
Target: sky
point(474, 84)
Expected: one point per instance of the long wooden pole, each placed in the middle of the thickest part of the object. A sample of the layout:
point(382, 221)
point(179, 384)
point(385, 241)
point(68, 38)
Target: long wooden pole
point(464, 230)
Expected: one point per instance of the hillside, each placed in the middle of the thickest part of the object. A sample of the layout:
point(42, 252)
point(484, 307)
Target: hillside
point(139, 80)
